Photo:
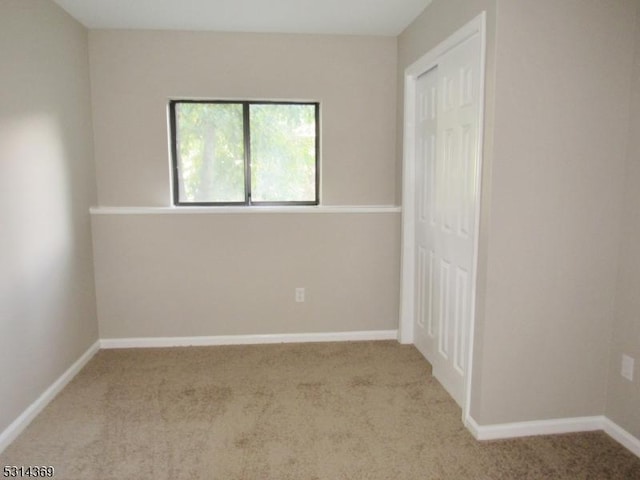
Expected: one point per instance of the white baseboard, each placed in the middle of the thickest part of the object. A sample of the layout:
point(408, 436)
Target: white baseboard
point(19, 424)
point(556, 426)
point(621, 436)
point(151, 342)
point(539, 427)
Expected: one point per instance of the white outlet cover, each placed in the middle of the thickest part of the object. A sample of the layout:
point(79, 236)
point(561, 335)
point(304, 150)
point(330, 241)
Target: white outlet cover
point(627, 367)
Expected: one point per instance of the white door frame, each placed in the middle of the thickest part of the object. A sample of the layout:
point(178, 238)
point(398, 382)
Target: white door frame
point(407, 279)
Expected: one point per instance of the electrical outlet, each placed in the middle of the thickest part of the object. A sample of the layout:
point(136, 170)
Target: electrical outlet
point(299, 294)
point(627, 367)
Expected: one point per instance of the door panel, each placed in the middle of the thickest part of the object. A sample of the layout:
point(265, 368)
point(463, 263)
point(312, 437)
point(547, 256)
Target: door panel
point(446, 168)
point(427, 217)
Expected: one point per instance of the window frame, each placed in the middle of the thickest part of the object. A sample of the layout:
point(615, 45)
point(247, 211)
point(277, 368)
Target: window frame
point(246, 105)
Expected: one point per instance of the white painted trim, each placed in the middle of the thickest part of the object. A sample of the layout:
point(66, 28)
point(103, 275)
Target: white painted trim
point(537, 427)
point(407, 253)
point(154, 342)
point(26, 417)
point(244, 210)
point(621, 436)
point(477, 26)
point(480, 23)
point(553, 427)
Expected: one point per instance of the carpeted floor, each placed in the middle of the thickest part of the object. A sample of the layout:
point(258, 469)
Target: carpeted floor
point(366, 410)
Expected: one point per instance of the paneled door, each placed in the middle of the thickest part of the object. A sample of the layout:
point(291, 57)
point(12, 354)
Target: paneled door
point(447, 126)
point(425, 212)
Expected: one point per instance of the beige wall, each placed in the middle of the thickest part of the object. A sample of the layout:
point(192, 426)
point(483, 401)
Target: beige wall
point(563, 73)
point(47, 300)
point(135, 73)
point(623, 397)
point(558, 81)
point(218, 274)
point(228, 274)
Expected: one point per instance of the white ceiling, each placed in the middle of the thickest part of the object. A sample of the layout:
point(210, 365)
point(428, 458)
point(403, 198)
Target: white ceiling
point(350, 17)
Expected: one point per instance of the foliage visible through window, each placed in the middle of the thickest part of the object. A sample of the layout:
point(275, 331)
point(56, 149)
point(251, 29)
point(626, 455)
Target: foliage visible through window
point(244, 153)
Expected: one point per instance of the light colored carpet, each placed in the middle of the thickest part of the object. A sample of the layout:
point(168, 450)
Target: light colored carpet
point(365, 410)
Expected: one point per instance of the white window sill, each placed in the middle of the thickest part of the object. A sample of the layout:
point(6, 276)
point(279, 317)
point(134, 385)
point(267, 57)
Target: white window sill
point(245, 210)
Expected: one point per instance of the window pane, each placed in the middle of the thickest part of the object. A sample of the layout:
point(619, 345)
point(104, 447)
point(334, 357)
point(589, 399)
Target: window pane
point(283, 153)
point(210, 152)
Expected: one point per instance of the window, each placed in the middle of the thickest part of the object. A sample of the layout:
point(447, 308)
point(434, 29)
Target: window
point(244, 153)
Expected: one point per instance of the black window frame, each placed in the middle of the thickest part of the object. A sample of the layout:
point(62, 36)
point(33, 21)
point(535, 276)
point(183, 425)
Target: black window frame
point(247, 153)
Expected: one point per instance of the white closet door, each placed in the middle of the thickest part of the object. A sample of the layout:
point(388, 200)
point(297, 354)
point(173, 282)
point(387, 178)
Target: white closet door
point(425, 208)
point(446, 213)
